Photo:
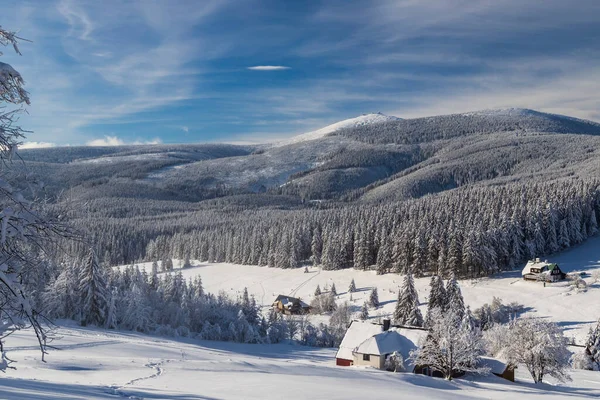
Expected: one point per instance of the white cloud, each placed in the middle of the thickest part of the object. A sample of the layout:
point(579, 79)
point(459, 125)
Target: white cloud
point(106, 141)
point(268, 68)
point(117, 141)
point(185, 129)
point(36, 145)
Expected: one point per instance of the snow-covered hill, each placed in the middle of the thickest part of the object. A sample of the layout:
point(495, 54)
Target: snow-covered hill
point(96, 364)
point(365, 119)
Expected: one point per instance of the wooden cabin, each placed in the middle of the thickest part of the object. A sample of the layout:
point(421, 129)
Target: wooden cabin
point(290, 305)
point(537, 270)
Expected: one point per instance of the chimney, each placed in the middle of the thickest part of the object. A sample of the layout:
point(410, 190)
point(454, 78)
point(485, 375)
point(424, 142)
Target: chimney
point(537, 260)
point(386, 324)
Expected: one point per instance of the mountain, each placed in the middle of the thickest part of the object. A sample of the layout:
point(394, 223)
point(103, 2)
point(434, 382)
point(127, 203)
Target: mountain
point(431, 178)
point(365, 119)
point(372, 157)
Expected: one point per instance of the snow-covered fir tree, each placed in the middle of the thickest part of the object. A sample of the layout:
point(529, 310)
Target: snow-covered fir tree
point(352, 287)
point(454, 299)
point(374, 298)
point(437, 297)
point(333, 290)
point(318, 291)
point(92, 286)
point(364, 312)
point(592, 346)
point(407, 307)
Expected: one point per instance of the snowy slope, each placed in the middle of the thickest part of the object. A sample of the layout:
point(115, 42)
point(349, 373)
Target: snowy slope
point(97, 364)
point(89, 363)
point(365, 119)
point(575, 311)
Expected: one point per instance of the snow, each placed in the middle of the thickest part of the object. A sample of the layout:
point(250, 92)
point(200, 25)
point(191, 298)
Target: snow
point(575, 311)
point(97, 364)
point(357, 333)
point(534, 264)
point(364, 119)
point(496, 366)
point(88, 363)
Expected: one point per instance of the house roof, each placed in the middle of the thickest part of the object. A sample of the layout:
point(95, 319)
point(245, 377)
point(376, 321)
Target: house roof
point(496, 366)
point(536, 264)
point(357, 332)
point(402, 340)
point(288, 301)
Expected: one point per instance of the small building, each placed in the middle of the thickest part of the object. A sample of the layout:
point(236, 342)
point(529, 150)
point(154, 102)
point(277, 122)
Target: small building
point(357, 332)
point(290, 305)
point(537, 270)
point(370, 344)
point(499, 368)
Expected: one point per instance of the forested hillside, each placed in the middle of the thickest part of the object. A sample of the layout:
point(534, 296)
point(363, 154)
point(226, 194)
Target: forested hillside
point(469, 194)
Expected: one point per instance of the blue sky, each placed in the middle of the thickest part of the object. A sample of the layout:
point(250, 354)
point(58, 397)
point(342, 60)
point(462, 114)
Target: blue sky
point(180, 71)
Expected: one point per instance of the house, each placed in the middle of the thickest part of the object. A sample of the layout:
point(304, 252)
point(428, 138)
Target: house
point(369, 344)
point(290, 305)
point(357, 332)
point(499, 368)
point(538, 270)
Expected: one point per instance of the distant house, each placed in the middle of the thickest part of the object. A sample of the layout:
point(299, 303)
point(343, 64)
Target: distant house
point(370, 344)
point(537, 270)
point(290, 305)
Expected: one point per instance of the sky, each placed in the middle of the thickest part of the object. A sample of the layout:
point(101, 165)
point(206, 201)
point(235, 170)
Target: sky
point(118, 72)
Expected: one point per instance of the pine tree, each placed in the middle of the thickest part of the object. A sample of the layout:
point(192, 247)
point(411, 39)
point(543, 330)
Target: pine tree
point(352, 287)
point(333, 289)
point(384, 258)
point(364, 312)
point(318, 291)
point(316, 247)
point(94, 291)
point(374, 298)
point(437, 297)
point(454, 300)
point(592, 346)
point(407, 308)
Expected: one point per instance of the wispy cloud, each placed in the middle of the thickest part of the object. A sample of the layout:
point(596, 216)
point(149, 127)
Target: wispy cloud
point(37, 145)
point(153, 68)
point(268, 68)
point(117, 141)
point(107, 141)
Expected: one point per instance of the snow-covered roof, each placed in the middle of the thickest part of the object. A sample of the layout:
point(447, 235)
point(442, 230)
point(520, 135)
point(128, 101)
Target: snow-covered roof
point(385, 343)
point(357, 332)
point(402, 340)
point(534, 264)
point(496, 366)
point(288, 301)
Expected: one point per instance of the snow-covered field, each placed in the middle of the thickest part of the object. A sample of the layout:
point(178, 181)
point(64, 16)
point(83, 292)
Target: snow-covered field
point(574, 311)
point(96, 364)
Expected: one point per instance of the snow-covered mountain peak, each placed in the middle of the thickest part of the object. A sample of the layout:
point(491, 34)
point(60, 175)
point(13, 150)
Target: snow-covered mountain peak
point(365, 119)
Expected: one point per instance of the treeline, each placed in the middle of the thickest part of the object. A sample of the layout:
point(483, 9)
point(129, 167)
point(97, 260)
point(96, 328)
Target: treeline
point(168, 304)
point(469, 232)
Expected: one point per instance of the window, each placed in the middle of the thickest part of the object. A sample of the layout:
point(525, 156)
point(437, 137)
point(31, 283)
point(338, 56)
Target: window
point(366, 357)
